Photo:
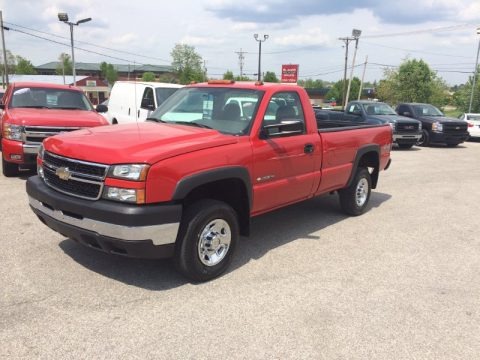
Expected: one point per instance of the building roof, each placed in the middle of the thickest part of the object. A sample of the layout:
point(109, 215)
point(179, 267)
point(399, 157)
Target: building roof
point(119, 67)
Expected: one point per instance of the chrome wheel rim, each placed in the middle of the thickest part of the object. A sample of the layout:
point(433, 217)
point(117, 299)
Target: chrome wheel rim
point(361, 192)
point(214, 242)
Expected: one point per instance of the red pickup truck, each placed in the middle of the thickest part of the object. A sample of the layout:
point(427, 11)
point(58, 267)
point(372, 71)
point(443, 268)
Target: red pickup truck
point(34, 111)
point(186, 182)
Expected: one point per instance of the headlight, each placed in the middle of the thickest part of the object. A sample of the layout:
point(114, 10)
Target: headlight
point(136, 196)
point(137, 172)
point(12, 132)
point(41, 151)
point(436, 126)
point(392, 125)
point(420, 126)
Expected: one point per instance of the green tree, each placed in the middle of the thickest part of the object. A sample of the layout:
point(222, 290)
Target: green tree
point(187, 63)
point(414, 81)
point(311, 83)
point(10, 63)
point(65, 66)
point(108, 72)
point(336, 91)
point(148, 76)
point(461, 97)
point(228, 75)
point(270, 77)
point(24, 66)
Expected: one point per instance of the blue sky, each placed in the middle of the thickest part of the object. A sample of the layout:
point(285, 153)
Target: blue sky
point(441, 32)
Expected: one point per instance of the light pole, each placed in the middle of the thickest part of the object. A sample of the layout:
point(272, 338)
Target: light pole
point(474, 74)
point(356, 34)
point(265, 37)
point(346, 40)
point(63, 17)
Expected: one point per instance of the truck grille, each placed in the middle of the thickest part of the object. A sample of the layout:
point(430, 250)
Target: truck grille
point(74, 177)
point(454, 128)
point(36, 134)
point(407, 127)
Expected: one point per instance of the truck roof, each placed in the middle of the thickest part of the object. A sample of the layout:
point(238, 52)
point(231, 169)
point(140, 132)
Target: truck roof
point(44, 85)
point(255, 85)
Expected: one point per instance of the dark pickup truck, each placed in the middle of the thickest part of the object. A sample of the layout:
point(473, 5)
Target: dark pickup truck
point(406, 131)
point(437, 128)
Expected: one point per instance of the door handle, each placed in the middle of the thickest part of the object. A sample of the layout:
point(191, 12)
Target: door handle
point(308, 149)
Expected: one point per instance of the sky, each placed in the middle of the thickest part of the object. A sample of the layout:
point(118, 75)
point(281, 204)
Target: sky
point(441, 32)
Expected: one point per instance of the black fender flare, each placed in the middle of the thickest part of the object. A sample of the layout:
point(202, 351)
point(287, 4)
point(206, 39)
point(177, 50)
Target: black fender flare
point(362, 151)
point(191, 182)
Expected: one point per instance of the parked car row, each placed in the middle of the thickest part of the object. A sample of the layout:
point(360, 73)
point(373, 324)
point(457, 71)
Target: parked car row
point(412, 123)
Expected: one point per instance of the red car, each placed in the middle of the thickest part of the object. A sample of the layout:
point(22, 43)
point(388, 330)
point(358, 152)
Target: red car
point(35, 111)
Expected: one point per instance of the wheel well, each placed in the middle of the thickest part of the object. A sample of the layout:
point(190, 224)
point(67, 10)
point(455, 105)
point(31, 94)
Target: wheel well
point(371, 160)
point(231, 191)
point(114, 122)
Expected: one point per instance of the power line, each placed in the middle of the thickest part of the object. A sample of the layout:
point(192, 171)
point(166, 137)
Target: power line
point(420, 31)
point(419, 51)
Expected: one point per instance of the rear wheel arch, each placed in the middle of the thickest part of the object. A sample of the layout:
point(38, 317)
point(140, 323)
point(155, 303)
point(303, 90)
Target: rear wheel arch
point(367, 157)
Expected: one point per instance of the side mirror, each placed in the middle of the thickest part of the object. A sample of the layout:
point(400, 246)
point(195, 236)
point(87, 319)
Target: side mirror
point(101, 108)
point(285, 128)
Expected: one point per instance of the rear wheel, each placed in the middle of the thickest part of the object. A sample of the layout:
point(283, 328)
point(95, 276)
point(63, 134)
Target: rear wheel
point(207, 238)
point(425, 139)
point(354, 199)
point(9, 169)
point(405, 146)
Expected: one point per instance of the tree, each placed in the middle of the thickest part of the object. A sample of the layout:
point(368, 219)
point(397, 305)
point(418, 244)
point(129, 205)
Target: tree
point(24, 66)
point(461, 97)
point(270, 77)
point(108, 72)
point(228, 75)
point(148, 76)
point(414, 81)
point(65, 66)
point(187, 63)
point(311, 84)
point(10, 63)
point(336, 91)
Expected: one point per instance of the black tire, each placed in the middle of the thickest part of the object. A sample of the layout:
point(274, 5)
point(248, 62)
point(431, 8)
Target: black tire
point(405, 146)
point(9, 169)
point(191, 258)
point(354, 199)
point(425, 139)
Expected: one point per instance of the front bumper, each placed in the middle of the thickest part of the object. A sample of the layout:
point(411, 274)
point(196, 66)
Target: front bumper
point(448, 138)
point(147, 231)
point(19, 153)
point(410, 138)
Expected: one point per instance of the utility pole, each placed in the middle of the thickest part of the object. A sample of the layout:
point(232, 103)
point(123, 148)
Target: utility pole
point(474, 74)
point(363, 76)
point(346, 40)
point(204, 70)
point(4, 51)
point(356, 34)
point(241, 57)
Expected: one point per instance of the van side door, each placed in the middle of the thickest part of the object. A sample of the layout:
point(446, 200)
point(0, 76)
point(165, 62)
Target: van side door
point(147, 104)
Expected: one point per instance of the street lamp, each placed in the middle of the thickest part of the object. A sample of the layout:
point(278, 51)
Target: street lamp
point(474, 74)
point(63, 17)
point(355, 34)
point(265, 37)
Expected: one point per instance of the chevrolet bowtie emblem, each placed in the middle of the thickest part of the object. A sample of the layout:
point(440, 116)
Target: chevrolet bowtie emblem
point(63, 173)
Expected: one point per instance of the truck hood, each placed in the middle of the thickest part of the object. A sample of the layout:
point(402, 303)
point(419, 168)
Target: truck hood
point(441, 119)
point(55, 117)
point(393, 119)
point(146, 142)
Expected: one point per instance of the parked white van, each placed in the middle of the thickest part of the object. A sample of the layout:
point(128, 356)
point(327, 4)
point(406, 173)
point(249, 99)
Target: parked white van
point(134, 101)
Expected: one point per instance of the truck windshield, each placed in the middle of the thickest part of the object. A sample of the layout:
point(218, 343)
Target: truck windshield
point(228, 110)
point(426, 110)
point(37, 97)
point(378, 109)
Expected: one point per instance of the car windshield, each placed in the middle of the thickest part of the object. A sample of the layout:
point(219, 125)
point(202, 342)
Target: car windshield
point(426, 110)
point(378, 109)
point(230, 111)
point(37, 97)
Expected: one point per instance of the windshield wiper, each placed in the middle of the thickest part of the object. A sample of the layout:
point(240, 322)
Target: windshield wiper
point(191, 123)
point(155, 119)
point(69, 108)
point(35, 107)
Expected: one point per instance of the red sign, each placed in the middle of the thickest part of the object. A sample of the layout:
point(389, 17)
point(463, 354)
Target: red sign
point(289, 73)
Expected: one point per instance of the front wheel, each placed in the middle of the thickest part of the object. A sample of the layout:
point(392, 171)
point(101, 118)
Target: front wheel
point(354, 199)
point(9, 169)
point(207, 238)
point(425, 139)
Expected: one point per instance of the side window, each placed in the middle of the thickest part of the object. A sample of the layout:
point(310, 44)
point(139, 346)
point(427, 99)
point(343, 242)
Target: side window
point(284, 115)
point(354, 109)
point(148, 101)
point(402, 109)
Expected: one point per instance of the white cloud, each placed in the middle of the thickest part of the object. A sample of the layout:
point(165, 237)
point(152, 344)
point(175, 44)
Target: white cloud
point(199, 40)
point(314, 37)
point(124, 39)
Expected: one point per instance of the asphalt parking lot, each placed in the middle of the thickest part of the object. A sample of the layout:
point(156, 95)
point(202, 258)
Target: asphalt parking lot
point(400, 282)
